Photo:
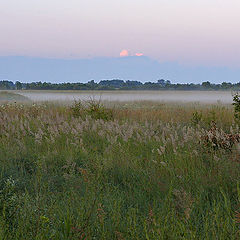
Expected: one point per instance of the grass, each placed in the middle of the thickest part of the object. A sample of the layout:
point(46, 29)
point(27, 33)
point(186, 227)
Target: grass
point(149, 171)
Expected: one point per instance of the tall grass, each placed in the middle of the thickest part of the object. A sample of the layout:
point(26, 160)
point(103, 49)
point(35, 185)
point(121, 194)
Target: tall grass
point(143, 173)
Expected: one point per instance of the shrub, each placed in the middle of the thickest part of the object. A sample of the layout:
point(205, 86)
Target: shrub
point(77, 108)
point(92, 108)
point(236, 104)
point(217, 139)
point(196, 118)
point(97, 111)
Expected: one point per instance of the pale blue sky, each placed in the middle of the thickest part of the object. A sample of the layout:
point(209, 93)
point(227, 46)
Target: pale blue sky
point(186, 31)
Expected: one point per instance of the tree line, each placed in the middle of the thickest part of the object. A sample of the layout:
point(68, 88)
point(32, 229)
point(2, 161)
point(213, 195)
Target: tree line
point(117, 84)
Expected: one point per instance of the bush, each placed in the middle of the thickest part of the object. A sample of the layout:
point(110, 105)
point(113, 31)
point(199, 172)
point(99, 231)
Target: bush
point(236, 104)
point(77, 108)
point(92, 108)
point(196, 118)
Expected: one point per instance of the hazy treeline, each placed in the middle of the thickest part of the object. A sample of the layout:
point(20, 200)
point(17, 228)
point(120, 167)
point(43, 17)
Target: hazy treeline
point(117, 84)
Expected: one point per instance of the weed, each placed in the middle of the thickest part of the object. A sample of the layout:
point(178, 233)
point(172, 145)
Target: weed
point(77, 108)
point(96, 110)
point(196, 118)
point(92, 108)
point(88, 172)
point(236, 104)
point(217, 139)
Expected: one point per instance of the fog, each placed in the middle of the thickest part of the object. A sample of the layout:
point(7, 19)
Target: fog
point(210, 97)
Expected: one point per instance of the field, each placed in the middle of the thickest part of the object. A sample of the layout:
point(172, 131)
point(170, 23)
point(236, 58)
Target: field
point(119, 170)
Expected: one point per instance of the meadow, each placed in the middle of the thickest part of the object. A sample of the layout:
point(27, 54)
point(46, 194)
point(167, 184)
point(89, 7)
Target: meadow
point(119, 170)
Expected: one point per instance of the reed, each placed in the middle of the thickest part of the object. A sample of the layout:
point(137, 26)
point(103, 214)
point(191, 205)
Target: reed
point(146, 171)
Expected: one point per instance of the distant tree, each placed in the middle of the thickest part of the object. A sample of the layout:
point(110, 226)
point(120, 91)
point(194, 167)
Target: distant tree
point(6, 85)
point(92, 85)
point(161, 82)
point(18, 85)
point(206, 84)
point(133, 83)
point(226, 85)
point(116, 83)
point(91, 82)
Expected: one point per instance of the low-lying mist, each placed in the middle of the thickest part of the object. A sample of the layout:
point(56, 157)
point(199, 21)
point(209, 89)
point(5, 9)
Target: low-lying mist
point(206, 97)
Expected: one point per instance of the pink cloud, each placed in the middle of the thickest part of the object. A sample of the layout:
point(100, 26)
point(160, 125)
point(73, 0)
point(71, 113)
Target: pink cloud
point(139, 54)
point(124, 53)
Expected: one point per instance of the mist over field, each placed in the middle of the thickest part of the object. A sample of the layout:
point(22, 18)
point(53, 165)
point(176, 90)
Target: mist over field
point(206, 97)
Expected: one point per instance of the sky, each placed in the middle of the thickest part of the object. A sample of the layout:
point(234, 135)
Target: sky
point(189, 32)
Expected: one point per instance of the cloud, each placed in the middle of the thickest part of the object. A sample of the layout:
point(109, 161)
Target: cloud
point(139, 54)
point(124, 53)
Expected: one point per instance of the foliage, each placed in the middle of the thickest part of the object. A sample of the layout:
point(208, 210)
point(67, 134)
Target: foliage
point(6, 85)
point(196, 118)
point(18, 85)
point(118, 84)
point(8, 200)
point(92, 108)
point(146, 174)
point(217, 139)
point(236, 104)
